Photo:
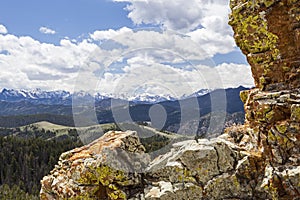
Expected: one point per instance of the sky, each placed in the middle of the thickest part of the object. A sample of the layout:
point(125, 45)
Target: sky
point(120, 47)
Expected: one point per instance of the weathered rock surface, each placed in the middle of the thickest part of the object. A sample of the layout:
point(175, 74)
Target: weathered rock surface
point(259, 160)
point(105, 169)
point(203, 169)
point(116, 167)
point(268, 33)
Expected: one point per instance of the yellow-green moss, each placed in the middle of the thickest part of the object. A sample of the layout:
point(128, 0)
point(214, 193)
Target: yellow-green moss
point(184, 175)
point(282, 128)
point(107, 179)
point(271, 137)
point(270, 115)
point(252, 34)
point(262, 82)
point(236, 182)
point(286, 68)
point(264, 113)
point(295, 113)
point(244, 95)
point(268, 3)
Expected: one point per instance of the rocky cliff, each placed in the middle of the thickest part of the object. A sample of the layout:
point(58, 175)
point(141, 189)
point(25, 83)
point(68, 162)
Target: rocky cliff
point(268, 33)
point(259, 160)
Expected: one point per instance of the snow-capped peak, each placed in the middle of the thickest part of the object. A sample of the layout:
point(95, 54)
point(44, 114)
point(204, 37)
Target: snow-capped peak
point(199, 93)
point(65, 97)
point(36, 95)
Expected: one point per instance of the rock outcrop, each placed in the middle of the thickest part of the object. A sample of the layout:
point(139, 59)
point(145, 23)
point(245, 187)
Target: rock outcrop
point(116, 167)
point(259, 160)
point(105, 169)
point(268, 33)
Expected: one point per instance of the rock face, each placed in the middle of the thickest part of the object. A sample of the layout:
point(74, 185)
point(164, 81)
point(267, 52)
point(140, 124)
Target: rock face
point(116, 167)
point(268, 33)
point(105, 169)
point(259, 160)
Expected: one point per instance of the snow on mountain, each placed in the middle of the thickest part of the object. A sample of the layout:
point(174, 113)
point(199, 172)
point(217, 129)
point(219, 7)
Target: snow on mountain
point(8, 94)
point(35, 96)
point(149, 98)
point(64, 97)
point(197, 94)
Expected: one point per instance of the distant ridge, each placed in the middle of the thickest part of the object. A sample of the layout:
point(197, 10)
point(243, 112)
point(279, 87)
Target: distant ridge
point(61, 97)
point(16, 110)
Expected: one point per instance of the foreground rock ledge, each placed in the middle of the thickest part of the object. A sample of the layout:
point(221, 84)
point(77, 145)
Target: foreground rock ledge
point(116, 167)
point(105, 169)
point(260, 160)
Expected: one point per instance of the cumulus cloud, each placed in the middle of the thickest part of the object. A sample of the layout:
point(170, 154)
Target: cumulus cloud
point(141, 74)
point(108, 34)
point(3, 29)
point(151, 61)
point(170, 44)
point(213, 42)
point(204, 20)
point(46, 30)
point(29, 63)
point(177, 15)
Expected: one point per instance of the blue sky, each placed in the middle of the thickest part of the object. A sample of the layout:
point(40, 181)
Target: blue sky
point(69, 18)
point(71, 45)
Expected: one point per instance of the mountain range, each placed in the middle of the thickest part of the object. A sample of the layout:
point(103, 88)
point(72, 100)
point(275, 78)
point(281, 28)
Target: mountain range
point(61, 97)
point(20, 107)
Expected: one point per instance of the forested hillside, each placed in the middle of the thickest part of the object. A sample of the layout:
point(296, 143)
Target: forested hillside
point(22, 120)
point(23, 162)
point(28, 153)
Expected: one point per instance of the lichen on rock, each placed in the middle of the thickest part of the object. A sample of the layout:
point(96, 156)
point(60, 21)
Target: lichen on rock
point(272, 108)
point(268, 34)
point(105, 169)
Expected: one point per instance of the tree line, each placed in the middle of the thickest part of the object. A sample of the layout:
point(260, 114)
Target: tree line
point(25, 161)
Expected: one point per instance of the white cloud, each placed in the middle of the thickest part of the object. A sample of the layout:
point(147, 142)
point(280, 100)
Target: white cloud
point(29, 63)
point(46, 30)
point(3, 29)
point(206, 21)
point(108, 34)
point(176, 14)
point(234, 75)
point(173, 47)
point(143, 74)
point(213, 42)
point(150, 61)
